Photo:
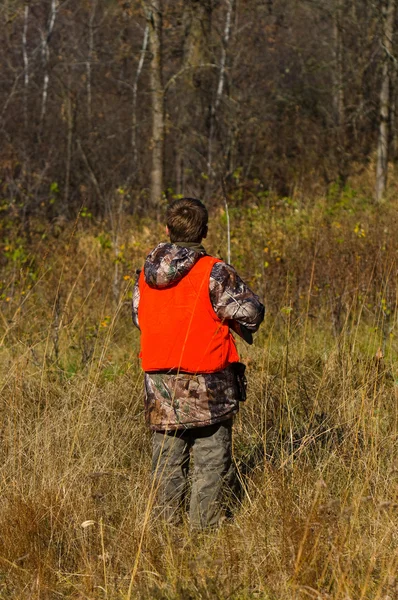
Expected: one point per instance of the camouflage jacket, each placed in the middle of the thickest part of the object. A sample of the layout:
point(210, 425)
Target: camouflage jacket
point(176, 401)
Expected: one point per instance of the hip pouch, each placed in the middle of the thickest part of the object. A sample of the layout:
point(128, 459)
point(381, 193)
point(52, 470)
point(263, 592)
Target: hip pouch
point(241, 381)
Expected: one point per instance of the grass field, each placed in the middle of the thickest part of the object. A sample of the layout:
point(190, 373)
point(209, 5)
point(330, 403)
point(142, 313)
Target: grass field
point(315, 444)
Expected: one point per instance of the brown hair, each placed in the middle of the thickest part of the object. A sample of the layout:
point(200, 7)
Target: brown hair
point(187, 220)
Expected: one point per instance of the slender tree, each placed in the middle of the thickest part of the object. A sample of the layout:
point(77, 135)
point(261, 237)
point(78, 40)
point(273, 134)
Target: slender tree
point(154, 13)
point(25, 62)
point(338, 96)
point(46, 37)
point(385, 104)
point(135, 92)
point(90, 58)
point(220, 84)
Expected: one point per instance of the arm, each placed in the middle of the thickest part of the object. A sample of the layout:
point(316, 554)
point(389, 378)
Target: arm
point(234, 301)
point(136, 301)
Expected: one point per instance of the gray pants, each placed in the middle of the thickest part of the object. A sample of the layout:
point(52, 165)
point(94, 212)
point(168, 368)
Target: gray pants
point(213, 471)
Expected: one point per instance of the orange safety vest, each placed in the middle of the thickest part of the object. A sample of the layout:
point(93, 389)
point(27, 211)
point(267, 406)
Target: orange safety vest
point(179, 328)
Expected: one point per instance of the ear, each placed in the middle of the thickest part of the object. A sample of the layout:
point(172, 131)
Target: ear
point(167, 231)
point(205, 231)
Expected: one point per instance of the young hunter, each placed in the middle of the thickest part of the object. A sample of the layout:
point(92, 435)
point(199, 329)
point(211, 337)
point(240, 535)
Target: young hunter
point(185, 305)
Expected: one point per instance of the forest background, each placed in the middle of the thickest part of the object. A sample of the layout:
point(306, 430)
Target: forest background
point(281, 115)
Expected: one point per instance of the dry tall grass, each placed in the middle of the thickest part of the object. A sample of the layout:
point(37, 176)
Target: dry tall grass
point(315, 444)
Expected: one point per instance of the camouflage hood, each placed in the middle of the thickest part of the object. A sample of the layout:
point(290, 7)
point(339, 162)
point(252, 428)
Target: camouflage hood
point(169, 263)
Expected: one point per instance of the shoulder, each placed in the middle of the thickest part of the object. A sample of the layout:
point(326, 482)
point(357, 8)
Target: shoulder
point(222, 272)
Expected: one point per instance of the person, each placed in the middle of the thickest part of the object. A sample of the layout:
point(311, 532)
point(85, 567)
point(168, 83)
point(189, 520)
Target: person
point(185, 304)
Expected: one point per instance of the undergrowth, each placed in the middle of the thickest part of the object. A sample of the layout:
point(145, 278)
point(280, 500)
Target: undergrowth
point(315, 444)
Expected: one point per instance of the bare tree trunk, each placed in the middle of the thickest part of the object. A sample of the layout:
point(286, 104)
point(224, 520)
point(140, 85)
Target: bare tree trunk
point(384, 127)
point(338, 97)
point(90, 57)
point(154, 19)
point(45, 56)
point(220, 86)
point(195, 94)
point(197, 16)
point(393, 116)
point(70, 125)
point(26, 63)
point(338, 92)
point(135, 90)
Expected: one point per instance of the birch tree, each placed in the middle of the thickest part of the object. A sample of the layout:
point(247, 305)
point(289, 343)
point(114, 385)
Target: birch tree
point(220, 84)
point(135, 91)
point(46, 36)
point(154, 15)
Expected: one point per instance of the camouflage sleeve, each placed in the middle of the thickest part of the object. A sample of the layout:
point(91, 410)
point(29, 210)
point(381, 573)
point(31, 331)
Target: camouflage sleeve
point(136, 301)
point(232, 299)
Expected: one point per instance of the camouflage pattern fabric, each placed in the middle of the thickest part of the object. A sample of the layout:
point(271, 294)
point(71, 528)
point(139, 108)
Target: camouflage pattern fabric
point(169, 263)
point(176, 401)
point(184, 400)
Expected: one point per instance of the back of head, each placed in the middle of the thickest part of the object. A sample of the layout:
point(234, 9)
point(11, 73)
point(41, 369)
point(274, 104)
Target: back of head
point(187, 220)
